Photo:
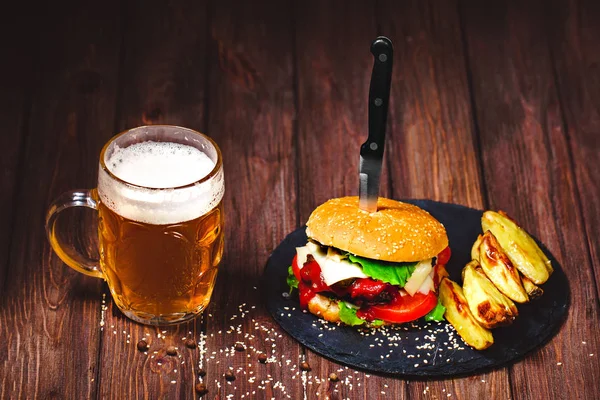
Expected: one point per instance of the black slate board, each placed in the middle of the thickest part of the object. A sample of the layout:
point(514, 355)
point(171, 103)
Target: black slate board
point(421, 349)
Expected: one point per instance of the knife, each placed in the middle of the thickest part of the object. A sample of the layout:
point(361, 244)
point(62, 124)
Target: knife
point(371, 152)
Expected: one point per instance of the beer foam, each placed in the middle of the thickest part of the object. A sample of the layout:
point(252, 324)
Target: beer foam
point(154, 173)
point(159, 164)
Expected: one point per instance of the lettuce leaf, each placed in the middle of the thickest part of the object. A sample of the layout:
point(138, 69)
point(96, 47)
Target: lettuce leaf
point(437, 314)
point(377, 322)
point(348, 315)
point(393, 273)
point(292, 281)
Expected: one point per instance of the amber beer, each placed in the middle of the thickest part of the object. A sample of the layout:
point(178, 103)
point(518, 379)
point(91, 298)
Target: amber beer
point(160, 235)
point(160, 222)
point(160, 270)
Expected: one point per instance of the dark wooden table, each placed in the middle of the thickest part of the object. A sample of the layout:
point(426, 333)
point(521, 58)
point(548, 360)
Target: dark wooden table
point(493, 106)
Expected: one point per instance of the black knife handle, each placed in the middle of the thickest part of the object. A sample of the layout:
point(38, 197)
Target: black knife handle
point(379, 96)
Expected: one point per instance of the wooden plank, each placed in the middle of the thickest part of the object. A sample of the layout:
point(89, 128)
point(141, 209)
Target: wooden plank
point(16, 83)
point(251, 115)
point(49, 332)
point(334, 69)
point(528, 174)
point(164, 66)
point(433, 152)
point(573, 31)
point(163, 81)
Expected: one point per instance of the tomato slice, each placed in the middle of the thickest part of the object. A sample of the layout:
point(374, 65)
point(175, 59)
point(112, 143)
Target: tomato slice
point(305, 294)
point(401, 309)
point(296, 268)
point(444, 256)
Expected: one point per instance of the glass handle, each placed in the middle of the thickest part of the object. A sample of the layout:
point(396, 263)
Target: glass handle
point(71, 257)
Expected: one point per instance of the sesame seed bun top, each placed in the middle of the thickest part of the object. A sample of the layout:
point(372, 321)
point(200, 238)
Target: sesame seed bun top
point(397, 232)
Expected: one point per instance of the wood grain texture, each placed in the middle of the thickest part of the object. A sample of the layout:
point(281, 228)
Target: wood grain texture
point(49, 314)
point(163, 75)
point(162, 81)
point(528, 174)
point(573, 32)
point(432, 146)
point(334, 65)
point(16, 83)
point(250, 115)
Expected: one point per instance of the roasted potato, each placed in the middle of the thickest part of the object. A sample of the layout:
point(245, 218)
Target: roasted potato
point(532, 290)
point(499, 268)
point(489, 307)
point(459, 315)
point(547, 262)
point(520, 248)
point(475, 248)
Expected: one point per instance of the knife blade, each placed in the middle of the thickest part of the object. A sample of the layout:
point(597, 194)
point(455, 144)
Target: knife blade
point(371, 152)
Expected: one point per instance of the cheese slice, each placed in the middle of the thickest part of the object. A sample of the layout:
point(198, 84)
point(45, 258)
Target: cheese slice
point(333, 268)
point(427, 285)
point(422, 271)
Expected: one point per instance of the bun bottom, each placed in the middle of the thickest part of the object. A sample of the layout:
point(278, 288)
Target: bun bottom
point(329, 310)
point(325, 308)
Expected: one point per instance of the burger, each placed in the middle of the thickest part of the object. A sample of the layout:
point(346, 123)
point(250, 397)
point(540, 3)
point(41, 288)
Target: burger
point(371, 269)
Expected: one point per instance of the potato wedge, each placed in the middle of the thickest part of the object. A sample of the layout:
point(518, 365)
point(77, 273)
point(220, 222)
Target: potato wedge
point(547, 262)
point(520, 248)
point(490, 308)
point(459, 315)
point(532, 290)
point(499, 268)
point(475, 248)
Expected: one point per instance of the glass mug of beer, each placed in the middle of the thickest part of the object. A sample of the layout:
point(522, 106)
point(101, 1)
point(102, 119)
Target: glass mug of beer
point(160, 222)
